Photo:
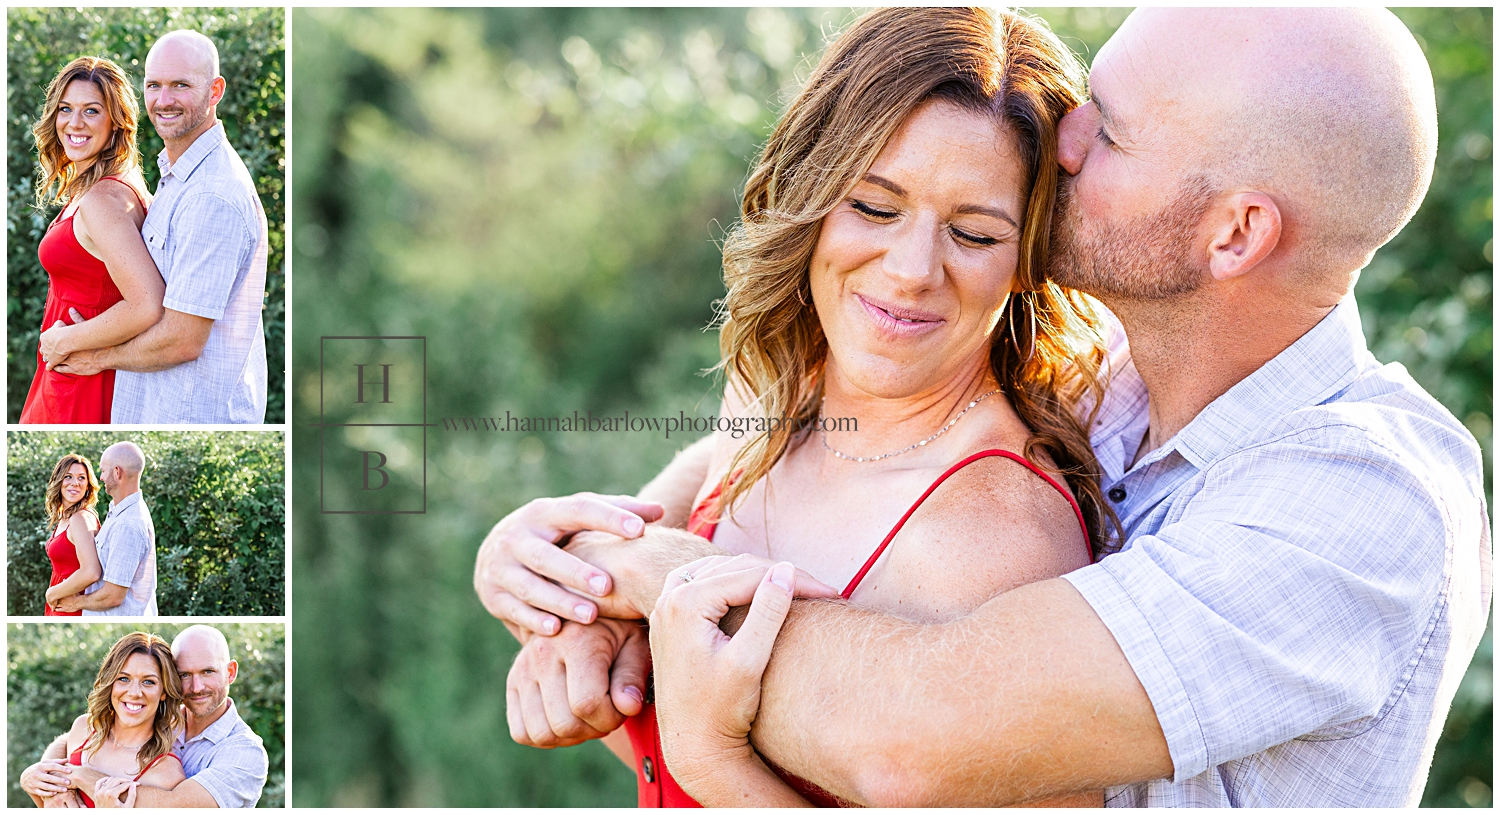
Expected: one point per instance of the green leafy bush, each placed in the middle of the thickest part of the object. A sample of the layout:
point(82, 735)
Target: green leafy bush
point(217, 501)
point(51, 669)
point(251, 43)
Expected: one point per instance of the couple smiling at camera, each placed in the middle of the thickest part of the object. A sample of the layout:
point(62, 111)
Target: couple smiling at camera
point(1238, 563)
point(150, 317)
point(160, 731)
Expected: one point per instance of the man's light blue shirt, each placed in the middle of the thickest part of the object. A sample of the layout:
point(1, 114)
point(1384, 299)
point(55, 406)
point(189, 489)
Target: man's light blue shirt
point(127, 553)
point(1305, 578)
point(206, 231)
point(227, 759)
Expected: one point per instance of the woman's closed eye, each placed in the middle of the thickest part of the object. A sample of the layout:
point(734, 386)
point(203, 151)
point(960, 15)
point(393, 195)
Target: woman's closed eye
point(871, 212)
point(969, 237)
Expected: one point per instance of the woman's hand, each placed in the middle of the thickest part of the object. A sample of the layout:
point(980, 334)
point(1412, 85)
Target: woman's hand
point(55, 345)
point(114, 791)
point(64, 800)
point(708, 684)
point(522, 577)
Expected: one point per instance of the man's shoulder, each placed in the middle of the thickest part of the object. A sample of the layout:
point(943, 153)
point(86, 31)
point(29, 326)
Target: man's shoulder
point(1386, 413)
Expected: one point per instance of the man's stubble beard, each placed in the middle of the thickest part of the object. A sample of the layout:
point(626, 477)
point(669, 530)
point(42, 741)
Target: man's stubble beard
point(190, 121)
point(1145, 258)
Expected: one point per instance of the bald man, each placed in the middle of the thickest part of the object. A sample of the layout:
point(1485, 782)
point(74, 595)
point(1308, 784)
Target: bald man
point(225, 762)
point(126, 543)
point(205, 360)
point(1304, 578)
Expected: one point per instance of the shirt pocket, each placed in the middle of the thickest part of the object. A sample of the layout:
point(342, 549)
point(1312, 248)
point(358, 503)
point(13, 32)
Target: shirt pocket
point(155, 237)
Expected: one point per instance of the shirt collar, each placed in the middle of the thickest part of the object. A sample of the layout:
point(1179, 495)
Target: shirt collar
point(116, 506)
point(1325, 361)
point(206, 142)
point(221, 729)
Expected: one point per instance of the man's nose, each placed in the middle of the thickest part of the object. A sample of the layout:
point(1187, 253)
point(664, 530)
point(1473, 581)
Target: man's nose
point(1074, 137)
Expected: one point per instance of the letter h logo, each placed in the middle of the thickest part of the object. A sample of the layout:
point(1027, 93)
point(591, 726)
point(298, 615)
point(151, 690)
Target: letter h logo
point(372, 425)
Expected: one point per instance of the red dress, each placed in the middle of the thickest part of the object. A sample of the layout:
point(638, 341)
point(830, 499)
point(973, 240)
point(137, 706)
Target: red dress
point(64, 557)
point(655, 786)
point(76, 759)
point(75, 279)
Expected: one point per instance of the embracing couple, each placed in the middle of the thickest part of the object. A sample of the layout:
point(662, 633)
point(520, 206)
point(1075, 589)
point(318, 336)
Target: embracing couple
point(150, 317)
point(160, 731)
point(1239, 563)
point(101, 570)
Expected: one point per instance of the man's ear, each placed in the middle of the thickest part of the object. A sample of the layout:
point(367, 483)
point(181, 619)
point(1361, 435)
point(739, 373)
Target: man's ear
point(216, 90)
point(233, 670)
point(1247, 231)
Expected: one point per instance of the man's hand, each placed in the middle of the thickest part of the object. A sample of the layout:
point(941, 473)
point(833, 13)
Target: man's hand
point(71, 603)
point(66, 800)
point(519, 560)
point(578, 685)
point(80, 363)
point(46, 778)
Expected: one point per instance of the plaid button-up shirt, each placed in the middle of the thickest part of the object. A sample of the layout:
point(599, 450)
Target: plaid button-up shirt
point(1304, 581)
point(227, 759)
point(206, 232)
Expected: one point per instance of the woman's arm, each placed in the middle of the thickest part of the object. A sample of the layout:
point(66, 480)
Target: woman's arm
point(108, 225)
point(81, 533)
point(165, 774)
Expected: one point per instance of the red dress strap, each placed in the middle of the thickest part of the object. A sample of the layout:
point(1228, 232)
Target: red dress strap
point(128, 186)
point(152, 763)
point(1073, 502)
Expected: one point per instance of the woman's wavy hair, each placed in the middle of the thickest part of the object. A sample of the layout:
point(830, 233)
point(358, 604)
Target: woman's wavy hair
point(59, 179)
point(59, 511)
point(101, 713)
point(1046, 352)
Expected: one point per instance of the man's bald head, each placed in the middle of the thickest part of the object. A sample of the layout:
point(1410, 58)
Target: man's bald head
point(1330, 111)
point(203, 642)
point(199, 51)
point(126, 455)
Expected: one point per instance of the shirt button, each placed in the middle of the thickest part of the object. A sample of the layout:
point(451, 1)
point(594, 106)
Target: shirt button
point(1117, 494)
point(646, 768)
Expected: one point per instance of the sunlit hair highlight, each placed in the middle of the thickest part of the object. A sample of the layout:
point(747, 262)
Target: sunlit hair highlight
point(870, 79)
point(59, 180)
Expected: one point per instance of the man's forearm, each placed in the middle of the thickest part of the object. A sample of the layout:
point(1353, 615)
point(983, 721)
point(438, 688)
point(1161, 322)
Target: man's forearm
point(101, 600)
point(638, 567)
point(1027, 698)
point(174, 339)
point(186, 794)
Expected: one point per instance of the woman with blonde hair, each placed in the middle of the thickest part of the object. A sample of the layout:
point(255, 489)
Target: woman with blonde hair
point(98, 268)
point(71, 493)
point(922, 386)
point(133, 719)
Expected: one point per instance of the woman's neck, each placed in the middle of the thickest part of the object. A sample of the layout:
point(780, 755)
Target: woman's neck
point(883, 425)
point(130, 737)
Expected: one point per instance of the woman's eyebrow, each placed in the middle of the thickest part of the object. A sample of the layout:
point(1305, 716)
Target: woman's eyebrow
point(977, 209)
point(886, 183)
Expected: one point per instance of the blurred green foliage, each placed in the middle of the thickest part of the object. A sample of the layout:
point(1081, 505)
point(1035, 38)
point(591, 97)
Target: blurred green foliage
point(51, 669)
point(252, 45)
point(217, 500)
point(539, 192)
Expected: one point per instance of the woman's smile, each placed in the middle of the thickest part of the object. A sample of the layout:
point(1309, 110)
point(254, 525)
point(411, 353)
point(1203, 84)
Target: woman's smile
point(897, 321)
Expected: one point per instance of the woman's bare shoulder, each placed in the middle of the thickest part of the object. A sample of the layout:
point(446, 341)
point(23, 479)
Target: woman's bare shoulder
point(166, 773)
point(112, 197)
point(997, 501)
point(79, 732)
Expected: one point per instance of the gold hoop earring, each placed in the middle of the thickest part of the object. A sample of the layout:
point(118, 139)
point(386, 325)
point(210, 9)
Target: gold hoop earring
point(1023, 301)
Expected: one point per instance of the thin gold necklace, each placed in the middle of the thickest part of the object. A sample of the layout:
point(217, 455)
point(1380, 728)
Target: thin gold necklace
point(822, 436)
